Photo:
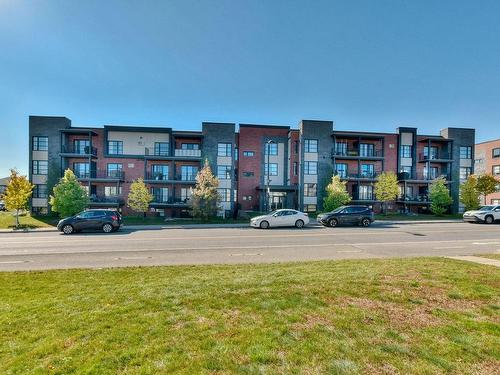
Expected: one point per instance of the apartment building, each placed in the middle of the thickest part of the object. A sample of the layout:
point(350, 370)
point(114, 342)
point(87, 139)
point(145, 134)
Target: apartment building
point(259, 167)
point(487, 161)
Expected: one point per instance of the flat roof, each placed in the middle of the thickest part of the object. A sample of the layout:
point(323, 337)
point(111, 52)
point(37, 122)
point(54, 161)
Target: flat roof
point(138, 128)
point(264, 126)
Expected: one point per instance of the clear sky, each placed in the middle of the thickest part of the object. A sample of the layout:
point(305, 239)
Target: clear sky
point(366, 65)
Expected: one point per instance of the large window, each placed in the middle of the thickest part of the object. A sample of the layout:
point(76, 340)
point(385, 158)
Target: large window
point(40, 143)
point(40, 167)
point(188, 172)
point(310, 208)
point(162, 149)
point(224, 149)
point(115, 147)
point(367, 170)
point(225, 195)
point(112, 191)
point(433, 154)
point(224, 172)
point(311, 167)
point(365, 192)
point(159, 172)
point(310, 190)
point(496, 152)
point(81, 146)
point(465, 152)
point(430, 173)
point(341, 170)
point(114, 170)
point(341, 148)
point(40, 191)
point(81, 170)
point(496, 170)
point(160, 195)
point(465, 172)
point(271, 149)
point(190, 146)
point(366, 149)
point(271, 169)
point(406, 151)
point(310, 145)
point(495, 202)
point(186, 194)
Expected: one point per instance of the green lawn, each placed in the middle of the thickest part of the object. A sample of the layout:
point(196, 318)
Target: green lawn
point(8, 221)
point(411, 316)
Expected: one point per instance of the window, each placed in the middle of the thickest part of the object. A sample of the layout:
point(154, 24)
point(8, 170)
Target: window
point(224, 149)
point(159, 172)
point(465, 152)
point(81, 170)
point(271, 169)
point(40, 191)
point(186, 194)
point(190, 146)
point(495, 202)
point(225, 195)
point(405, 169)
point(115, 147)
point(160, 195)
point(366, 149)
point(430, 174)
point(433, 152)
point(224, 172)
point(40, 143)
point(406, 151)
point(162, 149)
point(465, 172)
point(341, 170)
point(248, 153)
point(310, 190)
point(496, 152)
point(367, 170)
point(309, 208)
point(296, 146)
point(188, 173)
point(295, 168)
point(311, 167)
point(114, 170)
point(40, 166)
point(112, 191)
point(81, 146)
point(248, 174)
point(496, 170)
point(236, 153)
point(341, 148)
point(310, 145)
point(365, 193)
point(271, 149)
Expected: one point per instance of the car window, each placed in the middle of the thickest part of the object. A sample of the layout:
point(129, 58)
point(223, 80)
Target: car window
point(486, 208)
point(290, 212)
point(86, 215)
point(349, 210)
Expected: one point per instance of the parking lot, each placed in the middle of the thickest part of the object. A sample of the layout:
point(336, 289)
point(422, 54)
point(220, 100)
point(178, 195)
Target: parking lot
point(52, 250)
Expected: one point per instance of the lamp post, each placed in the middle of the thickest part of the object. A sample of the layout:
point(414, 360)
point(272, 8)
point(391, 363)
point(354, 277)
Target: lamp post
point(268, 175)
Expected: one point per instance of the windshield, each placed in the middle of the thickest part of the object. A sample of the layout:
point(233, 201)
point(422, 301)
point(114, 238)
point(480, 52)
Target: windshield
point(486, 208)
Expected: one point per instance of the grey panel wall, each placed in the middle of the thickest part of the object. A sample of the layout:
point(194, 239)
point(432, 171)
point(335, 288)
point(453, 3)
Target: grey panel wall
point(322, 131)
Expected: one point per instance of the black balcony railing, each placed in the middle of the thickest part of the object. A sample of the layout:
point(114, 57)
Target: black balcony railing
point(111, 175)
point(364, 197)
point(358, 153)
point(354, 175)
point(85, 150)
point(186, 177)
point(434, 156)
point(163, 199)
point(155, 151)
point(424, 198)
point(156, 176)
point(422, 176)
point(110, 199)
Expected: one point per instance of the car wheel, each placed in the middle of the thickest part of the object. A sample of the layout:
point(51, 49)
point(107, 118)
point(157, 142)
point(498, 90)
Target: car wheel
point(365, 222)
point(264, 225)
point(67, 229)
point(107, 228)
point(299, 224)
point(489, 219)
point(333, 223)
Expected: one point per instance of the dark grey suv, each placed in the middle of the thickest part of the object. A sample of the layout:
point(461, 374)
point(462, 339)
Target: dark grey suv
point(348, 215)
point(105, 220)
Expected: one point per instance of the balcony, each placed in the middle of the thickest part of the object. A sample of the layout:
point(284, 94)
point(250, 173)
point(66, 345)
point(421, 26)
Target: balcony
point(188, 153)
point(353, 153)
point(442, 157)
point(359, 176)
point(420, 176)
point(71, 151)
point(414, 199)
point(163, 201)
point(160, 178)
point(95, 200)
point(153, 151)
point(364, 197)
point(114, 175)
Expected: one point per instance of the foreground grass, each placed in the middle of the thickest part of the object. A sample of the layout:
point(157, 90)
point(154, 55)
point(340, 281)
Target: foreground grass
point(414, 316)
point(8, 221)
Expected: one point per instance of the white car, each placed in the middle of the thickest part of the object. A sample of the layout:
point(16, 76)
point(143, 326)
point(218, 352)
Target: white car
point(281, 218)
point(485, 214)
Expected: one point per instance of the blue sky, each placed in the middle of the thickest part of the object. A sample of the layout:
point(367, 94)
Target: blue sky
point(366, 65)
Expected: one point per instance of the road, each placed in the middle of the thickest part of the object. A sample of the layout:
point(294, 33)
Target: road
point(38, 251)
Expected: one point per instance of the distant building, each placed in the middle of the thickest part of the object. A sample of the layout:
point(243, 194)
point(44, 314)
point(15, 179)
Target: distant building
point(487, 155)
point(3, 184)
point(259, 167)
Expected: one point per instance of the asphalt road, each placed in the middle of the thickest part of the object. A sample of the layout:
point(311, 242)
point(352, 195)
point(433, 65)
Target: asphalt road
point(37, 251)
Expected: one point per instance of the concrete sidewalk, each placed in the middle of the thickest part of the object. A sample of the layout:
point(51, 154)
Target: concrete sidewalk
point(478, 259)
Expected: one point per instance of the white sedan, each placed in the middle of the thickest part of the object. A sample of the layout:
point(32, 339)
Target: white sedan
point(281, 218)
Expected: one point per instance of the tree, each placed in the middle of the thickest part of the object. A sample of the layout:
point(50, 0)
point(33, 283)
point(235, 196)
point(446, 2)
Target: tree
point(139, 196)
point(386, 188)
point(69, 197)
point(469, 196)
point(486, 184)
point(336, 194)
point(17, 193)
point(439, 196)
point(205, 199)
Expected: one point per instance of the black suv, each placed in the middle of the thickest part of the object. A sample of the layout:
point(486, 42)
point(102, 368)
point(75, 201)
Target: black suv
point(352, 215)
point(106, 220)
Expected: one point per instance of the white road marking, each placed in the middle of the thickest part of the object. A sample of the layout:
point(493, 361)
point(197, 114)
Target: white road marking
point(15, 261)
point(349, 251)
point(448, 247)
point(247, 255)
point(486, 243)
point(132, 258)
